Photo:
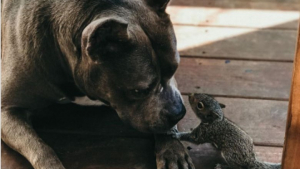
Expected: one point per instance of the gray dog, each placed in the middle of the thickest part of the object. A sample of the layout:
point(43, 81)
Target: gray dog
point(120, 52)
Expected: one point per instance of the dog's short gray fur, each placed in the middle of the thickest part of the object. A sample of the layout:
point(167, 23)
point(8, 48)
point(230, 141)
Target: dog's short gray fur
point(235, 145)
point(122, 52)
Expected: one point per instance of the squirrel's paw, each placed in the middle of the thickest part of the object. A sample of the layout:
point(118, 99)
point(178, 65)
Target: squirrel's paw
point(173, 133)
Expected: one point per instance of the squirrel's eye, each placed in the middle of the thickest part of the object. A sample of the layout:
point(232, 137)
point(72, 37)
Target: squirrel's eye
point(200, 106)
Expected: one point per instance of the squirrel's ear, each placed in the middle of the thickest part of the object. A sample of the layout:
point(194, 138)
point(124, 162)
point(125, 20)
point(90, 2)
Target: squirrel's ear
point(209, 95)
point(222, 105)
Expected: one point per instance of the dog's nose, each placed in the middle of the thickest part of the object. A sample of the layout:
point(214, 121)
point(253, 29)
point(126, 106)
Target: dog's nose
point(176, 113)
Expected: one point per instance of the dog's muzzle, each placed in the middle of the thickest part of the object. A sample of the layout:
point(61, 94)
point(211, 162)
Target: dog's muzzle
point(176, 112)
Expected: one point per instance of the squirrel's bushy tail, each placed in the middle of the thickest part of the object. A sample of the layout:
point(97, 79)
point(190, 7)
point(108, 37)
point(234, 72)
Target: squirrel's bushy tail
point(265, 165)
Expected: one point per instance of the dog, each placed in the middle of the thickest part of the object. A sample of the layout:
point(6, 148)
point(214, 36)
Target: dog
point(118, 52)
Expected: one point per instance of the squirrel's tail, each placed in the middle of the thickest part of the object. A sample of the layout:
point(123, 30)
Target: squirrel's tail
point(265, 165)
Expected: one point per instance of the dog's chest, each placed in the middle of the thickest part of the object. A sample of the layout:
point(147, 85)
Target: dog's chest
point(85, 101)
point(74, 95)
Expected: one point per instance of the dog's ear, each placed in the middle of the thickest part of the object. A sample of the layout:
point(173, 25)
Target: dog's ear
point(158, 5)
point(222, 105)
point(104, 35)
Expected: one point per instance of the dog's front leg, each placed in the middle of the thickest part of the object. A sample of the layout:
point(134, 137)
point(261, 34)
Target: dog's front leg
point(171, 154)
point(20, 136)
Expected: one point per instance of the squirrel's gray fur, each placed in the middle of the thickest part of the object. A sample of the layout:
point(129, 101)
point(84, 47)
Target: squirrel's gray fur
point(236, 145)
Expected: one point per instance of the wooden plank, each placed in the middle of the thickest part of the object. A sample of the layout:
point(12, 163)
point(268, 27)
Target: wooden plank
point(77, 152)
point(290, 5)
point(247, 18)
point(235, 78)
point(263, 120)
point(239, 43)
point(68, 118)
point(100, 139)
point(200, 154)
point(291, 155)
point(269, 154)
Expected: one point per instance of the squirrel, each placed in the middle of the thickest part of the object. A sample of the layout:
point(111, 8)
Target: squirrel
point(236, 145)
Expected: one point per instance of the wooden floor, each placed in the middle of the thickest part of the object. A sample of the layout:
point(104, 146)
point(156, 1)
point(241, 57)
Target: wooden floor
point(240, 51)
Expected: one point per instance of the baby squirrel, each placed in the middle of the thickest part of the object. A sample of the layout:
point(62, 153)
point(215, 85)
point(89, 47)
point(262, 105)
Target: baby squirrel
point(235, 145)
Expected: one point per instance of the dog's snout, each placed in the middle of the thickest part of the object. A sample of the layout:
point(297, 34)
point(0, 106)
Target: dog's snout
point(173, 109)
point(176, 113)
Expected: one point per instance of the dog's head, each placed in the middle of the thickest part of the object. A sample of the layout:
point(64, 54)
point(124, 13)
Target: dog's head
point(129, 57)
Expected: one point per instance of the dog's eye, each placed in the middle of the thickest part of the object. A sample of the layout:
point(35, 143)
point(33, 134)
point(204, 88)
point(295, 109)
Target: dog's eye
point(139, 93)
point(200, 106)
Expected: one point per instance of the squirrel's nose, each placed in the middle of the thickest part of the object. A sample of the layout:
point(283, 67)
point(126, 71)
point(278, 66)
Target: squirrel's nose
point(219, 114)
point(191, 98)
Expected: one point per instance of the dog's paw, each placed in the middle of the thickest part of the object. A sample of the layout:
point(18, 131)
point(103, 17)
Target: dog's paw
point(218, 166)
point(171, 154)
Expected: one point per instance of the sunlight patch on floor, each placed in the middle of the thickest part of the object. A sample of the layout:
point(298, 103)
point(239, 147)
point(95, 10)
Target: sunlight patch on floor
point(197, 26)
point(251, 18)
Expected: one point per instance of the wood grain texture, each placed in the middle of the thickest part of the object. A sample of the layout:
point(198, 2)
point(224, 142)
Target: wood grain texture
point(233, 18)
point(241, 78)
point(85, 152)
point(263, 120)
point(97, 140)
point(87, 120)
point(290, 5)
point(240, 43)
point(269, 154)
point(203, 151)
point(291, 156)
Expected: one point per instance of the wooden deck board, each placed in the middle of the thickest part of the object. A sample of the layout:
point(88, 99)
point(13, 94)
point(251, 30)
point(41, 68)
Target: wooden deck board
point(243, 18)
point(269, 154)
point(292, 5)
point(87, 120)
point(202, 151)
point(85, 152)
point(235, 78)
point(263, 120)
point(91, 153)
point(240, 43)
